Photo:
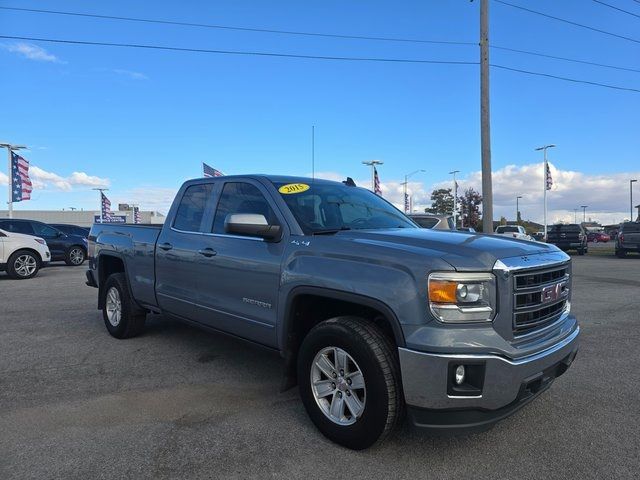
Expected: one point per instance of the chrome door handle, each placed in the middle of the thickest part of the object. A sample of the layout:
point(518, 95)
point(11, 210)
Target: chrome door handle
point(165, 246)
point(207, 252)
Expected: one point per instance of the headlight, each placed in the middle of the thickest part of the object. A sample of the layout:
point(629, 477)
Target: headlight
point(462, 297)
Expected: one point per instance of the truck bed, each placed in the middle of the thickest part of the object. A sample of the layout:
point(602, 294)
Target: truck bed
point(127, 241)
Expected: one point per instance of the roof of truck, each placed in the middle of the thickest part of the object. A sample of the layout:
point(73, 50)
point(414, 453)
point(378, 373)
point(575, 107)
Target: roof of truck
point(280, 178)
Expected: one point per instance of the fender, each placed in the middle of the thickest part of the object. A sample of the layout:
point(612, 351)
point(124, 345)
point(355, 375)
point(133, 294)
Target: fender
point(119, 256)
point(344, 296)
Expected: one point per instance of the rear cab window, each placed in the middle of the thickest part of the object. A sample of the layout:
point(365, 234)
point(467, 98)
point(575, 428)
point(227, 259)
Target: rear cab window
point(426, 222)
point(191, 212)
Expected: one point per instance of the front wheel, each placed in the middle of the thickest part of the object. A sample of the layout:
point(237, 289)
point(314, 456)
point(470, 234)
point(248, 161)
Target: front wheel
point(23, 264)
point(349, 381)
point(122, 317)
point(75, 256)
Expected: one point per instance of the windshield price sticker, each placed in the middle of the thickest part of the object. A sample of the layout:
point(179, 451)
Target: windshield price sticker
point(293, 188)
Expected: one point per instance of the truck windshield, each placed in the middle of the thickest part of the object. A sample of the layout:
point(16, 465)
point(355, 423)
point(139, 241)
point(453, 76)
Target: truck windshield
point(326, 208)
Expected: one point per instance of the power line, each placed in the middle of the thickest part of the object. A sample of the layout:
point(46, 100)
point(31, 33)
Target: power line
point(314, 34)
point(243, 29)
point(313, 57)
point(238, 52)
point(566, 59)
point(569, 21)
point(617, 8)
point(567, 79)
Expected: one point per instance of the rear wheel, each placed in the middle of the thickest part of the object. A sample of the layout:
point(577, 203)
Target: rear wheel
point(75, 256)
point(621, 253)
point(122, 317)
point(23, 264)
point(349, 381)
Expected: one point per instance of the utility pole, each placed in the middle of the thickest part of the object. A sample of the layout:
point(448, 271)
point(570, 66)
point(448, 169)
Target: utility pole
point(584, 212)
point(372, 164)
point(631, 199)
point(518, 209)
point(544, 184)
point(101, 209)
point(485, 120)
point(455, 198)
point(10, 148)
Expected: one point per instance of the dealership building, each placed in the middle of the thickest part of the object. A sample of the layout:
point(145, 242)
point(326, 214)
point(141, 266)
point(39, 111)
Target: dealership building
point(85, 218)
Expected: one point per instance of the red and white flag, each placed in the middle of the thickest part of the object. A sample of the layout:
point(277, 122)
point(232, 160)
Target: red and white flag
point(21, 186)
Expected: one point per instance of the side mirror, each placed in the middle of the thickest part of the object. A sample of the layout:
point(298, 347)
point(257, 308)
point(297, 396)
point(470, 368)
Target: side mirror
point(251, 225)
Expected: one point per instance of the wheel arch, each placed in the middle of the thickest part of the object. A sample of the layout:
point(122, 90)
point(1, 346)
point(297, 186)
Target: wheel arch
point(107, 264)
point(317, 304)
point(30, 250)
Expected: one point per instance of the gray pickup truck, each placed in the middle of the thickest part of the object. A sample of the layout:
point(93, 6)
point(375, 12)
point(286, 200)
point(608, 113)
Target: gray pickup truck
point(373, 316)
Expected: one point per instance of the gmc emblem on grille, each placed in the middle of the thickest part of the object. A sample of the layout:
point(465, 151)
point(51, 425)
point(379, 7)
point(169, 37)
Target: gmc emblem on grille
point(553, 293)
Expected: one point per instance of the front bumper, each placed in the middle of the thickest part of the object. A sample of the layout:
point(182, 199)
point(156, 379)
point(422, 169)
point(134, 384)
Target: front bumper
point(507, 385)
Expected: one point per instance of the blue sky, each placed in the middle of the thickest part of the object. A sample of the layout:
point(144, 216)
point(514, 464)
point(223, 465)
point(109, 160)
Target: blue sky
point(145, 120)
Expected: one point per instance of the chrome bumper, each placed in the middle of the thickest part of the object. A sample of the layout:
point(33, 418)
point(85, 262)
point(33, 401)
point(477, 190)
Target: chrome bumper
point(425, 376)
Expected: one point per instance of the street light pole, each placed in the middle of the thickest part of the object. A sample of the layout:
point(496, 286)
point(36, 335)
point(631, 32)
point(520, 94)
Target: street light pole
point(372, 164)
point(584, 212)
point(631, 182)
point(518, 209)
point(575, 215)
point(10, 148)
point(544, 183)
point(455, 198)
point(406, 181)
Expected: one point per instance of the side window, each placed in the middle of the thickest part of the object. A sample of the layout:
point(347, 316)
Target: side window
point(44, 231)
point(238, 197)
point(191, 211)
point(426, 222)
point(18, 227)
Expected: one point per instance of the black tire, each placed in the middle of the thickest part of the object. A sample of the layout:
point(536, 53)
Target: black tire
point(75, 256)
point(132, 318)
point(16, 264)
point(582, 251)
point(376, 357)
point(621, 253)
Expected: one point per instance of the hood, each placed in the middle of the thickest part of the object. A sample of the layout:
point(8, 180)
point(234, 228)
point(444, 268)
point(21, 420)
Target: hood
point(464, 251)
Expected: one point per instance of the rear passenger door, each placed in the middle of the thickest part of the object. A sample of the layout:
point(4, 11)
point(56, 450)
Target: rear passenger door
point(237, 284)
point(177, 248)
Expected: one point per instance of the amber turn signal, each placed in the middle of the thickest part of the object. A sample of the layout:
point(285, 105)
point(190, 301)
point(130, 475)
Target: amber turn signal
point(442, 291)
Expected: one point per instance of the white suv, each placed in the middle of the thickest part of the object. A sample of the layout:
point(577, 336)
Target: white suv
point(21, 256)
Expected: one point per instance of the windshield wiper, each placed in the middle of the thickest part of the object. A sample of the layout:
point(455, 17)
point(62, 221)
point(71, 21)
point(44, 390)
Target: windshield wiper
point(330, 231)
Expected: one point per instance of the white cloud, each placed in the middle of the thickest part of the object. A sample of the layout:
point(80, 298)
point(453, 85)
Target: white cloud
point(4, 180)
point(32, 52)
point(606, 194)
point(43, 179)
point(131, 74)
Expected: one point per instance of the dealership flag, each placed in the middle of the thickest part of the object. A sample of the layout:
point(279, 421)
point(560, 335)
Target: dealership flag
point(549, 180)
point(406, 203)
point(20, 181)
point(376, 182)
point(210, 171)
point(106, 208)
point(136, 215)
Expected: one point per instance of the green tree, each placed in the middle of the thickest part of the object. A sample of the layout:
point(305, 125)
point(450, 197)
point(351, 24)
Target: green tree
point(470, 203)
point(441, 202)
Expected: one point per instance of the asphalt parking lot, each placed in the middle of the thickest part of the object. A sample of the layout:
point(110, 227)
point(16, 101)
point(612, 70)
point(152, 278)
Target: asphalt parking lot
point(180, 403)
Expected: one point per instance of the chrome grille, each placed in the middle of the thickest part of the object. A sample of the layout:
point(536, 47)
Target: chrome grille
point(540, 297)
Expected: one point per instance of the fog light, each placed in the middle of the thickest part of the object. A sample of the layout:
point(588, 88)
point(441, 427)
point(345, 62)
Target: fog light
point(460, 375)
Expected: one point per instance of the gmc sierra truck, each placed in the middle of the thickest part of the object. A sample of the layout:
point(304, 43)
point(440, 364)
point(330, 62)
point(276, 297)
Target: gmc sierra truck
point(373, 316)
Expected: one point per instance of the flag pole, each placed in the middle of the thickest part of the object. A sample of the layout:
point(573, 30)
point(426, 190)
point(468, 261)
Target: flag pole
point(10, 183)
point(100, 190)
point(544, 183)
point(10, 148)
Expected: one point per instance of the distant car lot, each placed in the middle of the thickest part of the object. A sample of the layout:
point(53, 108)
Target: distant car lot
point(178, 402)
